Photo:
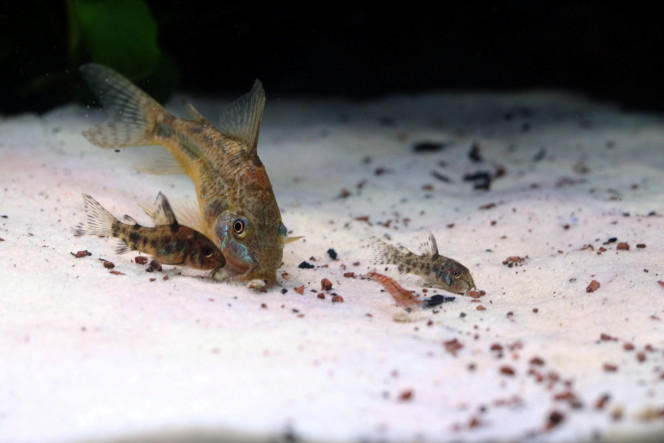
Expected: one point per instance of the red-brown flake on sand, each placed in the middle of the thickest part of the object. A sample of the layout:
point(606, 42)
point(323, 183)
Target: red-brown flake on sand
point(623, 246)
point(141, 260)
point(537, 361)
point(554, 419)
point(593, 286)
point(117, 273)
point(480, 308)
point(81, 254)
point(475, 294)
point(610, 367)
point(299, 289)
point(661, 283)
point(406, 395)
point(326, 284)
point(602, 401)
point(507, 370)
point(349, 274)
point(337, 299)
point(452, 346)
point(514, 261)
point(108, 264)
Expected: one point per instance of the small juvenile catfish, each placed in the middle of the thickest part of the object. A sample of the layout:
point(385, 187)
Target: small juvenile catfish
point(168, 242)
point(436, 269)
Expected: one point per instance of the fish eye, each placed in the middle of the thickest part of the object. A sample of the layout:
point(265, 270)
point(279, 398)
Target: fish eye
point(240, 227)
point(207, 251)
point(455, 274)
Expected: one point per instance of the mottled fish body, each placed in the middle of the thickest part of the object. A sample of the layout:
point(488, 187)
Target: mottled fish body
point(436, 269)
point(168, 242)
point(238, 209)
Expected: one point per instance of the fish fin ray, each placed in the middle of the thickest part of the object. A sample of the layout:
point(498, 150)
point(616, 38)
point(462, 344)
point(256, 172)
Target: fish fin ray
point(289, 240)
point(131, 111)
point(193, 113)
point(129, 220)
point(163, 214)
point(98, 221)
point(242, 120)
point(429, 246)
point(187, 214)
point(158, 162)
point(122, 247)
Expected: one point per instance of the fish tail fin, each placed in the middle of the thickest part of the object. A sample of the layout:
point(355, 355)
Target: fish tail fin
point(384, 253)
point(98, 221)
point(133, 115)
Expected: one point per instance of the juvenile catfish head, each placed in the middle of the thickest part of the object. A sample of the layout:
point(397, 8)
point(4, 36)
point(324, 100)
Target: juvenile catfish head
point(252, 242)
point(452, 276)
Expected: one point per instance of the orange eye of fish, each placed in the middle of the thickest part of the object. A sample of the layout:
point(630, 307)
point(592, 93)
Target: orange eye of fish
point(239, 227)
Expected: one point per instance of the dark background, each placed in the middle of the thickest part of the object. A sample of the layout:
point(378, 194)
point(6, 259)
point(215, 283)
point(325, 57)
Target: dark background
point(612, 53)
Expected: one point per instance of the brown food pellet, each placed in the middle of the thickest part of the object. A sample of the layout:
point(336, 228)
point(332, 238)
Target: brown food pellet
point(480, 308)
point(593, 286)
point(641, 357)
point(299, 289)
point(108, 264)
point(326, 284)
point(535, 310)
point(406, 395)
point(337, 299)
point(623, 246)
point(475, 294)
point(555, 418)
point(80, 254)
point(321, 295)
point(640, 245)
point(117, 273)
point(661, 283)
point(141, 260)
point(610, 367)
point(602, 401)
point(452, 346)
point(487, 206)
point(537, 361)
point(507, 370)
point(628, 347)
point(349, 274)
point(153, 279)
point(165, 277)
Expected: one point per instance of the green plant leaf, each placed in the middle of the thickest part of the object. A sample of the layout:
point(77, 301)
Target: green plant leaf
point(121, 34)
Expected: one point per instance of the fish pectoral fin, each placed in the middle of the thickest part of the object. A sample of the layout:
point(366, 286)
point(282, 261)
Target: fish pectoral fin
point(122, 248)
point(242, 120)
point(188, 214)
point(158, 161)
point(129, 220)
point(289, 240)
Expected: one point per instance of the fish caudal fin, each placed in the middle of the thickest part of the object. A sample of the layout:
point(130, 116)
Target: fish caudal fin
point(383, 253)
point(132, 113)
point(98, 221)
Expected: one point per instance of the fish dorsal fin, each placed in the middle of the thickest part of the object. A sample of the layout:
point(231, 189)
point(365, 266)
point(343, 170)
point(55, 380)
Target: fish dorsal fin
point(242, 120)
point(158, 161)
point(429, 246)
point(192, 113)
point(163, 214)
point(129, 220)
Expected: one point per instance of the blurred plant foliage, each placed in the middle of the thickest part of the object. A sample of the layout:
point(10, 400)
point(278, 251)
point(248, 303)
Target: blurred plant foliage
point(40, 61)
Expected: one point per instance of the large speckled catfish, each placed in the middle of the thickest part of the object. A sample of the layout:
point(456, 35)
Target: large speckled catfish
point(237, 205)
